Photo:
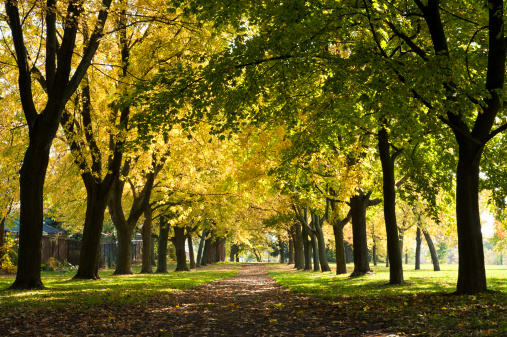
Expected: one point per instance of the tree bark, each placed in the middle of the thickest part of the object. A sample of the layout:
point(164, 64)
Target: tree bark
point(178, 241)
point(374, 253)
point(358, 205)
point(281, 247)
point(191, 251)
point(319, 234)
point(162, 246)
point(124, 258)
point(389, 193)
point(307, 249)
point(96, 203)
point(234, 251)
point(2, 237)
point(153, 260)
point(220, 257)
point(290, 233)
point(433, 251)
point(201, 248)
point(146, 236)
point(299, 259)
point(315, 251)
point(418, 240)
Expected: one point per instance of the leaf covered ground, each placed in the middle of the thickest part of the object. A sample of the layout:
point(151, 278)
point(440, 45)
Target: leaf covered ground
point(251, 303)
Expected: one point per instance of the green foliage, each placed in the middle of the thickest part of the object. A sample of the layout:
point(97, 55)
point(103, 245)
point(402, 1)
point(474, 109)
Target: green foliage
point(442, 249)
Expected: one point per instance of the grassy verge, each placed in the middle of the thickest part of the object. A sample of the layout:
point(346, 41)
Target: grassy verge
point(424, 305)
point(63, 292)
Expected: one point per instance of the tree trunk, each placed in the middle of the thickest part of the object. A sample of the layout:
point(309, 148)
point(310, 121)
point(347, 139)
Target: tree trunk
point(299, 256)
point(374, 253)
point(307, 249)
point(221, 250)
point(201, 247)
point(146, 235)
point(153, 261)
point(291, 234)
point(2, 236)
point(471, 270)
point(282, 252)
point(96, 204)
point(124, 257)
point(32, 176)
point(358, 205)
point(162, 246)
point(418, 240)
point(178, 241)
point(321, 244)
point(389, 193)
point(341, 263)
point(387, 261)
point(191, 251)
point(208, 251)
point(315, 251)
point(234, 251)
point(433, 251)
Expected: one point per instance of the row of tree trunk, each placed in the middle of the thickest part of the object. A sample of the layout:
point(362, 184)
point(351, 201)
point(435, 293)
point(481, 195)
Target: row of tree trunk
point(307, 246)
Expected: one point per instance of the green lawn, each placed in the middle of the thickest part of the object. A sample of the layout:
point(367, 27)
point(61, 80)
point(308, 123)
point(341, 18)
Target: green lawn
point(424, 305)
point(63, 291)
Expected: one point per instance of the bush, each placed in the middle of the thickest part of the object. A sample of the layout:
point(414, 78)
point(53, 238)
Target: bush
point(57, 265)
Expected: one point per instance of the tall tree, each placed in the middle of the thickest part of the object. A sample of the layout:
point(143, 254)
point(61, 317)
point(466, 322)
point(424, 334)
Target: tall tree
point(59, 84)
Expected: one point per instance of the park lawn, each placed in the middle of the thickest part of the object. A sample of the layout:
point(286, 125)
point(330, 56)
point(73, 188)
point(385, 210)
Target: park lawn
point(424, 305)
point(79, 295)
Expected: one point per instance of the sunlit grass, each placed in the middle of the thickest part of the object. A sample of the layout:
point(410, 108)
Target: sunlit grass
point(423, 305)
point(63, 291)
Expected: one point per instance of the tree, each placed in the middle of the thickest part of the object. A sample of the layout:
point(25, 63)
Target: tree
point(59, 84)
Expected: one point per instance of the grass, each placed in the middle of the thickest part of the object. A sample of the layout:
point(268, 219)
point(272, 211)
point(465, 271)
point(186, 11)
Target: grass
point(424, 305)
point(64, 292)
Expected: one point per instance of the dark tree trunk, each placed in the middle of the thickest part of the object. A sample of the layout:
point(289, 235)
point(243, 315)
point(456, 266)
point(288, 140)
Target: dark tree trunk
point(471, 270)
point(163, 237)
point(307, 249)
point(387, 261)
point(146, 236)
point(291, 234)
point(221, 250)
point(201, 248)
point(234, 251)
point(299, 259)
point(282, 252)
point(433, 251)
point(418, 240)
point(96, 204)
point(315, 251)
point(191, 251)
point(2, 236)
point(124, 257)
point(319, 234)
point(374, 254)
point(393, 250)
point(358, 205)
point(341, 263)
point(153, 261)
point(178, 241)
point(32, 176)
point(208, 252)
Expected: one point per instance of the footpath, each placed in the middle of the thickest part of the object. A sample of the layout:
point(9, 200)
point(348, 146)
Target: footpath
point(248, 304)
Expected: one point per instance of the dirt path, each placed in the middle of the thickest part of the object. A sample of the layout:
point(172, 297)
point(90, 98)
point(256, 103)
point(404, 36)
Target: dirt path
point(248, 304)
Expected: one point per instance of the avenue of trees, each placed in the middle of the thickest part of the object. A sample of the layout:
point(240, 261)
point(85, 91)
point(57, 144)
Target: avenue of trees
point(222, 121)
